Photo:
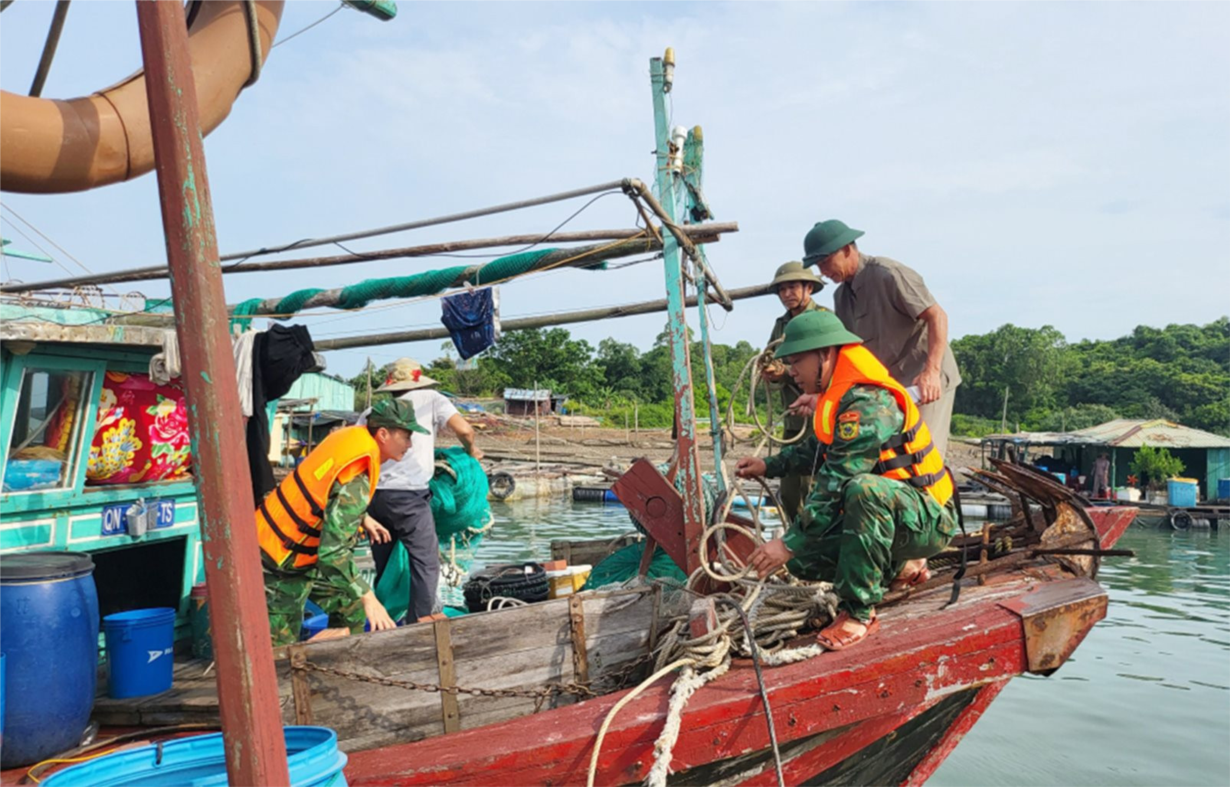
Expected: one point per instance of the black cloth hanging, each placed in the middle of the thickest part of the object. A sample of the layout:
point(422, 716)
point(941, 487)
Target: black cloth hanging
point(280, 356)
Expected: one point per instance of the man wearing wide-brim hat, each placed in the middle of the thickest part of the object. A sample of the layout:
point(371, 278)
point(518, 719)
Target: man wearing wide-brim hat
point(794, 284)
point(881, 500)
point(889, 305)
point(401, 507)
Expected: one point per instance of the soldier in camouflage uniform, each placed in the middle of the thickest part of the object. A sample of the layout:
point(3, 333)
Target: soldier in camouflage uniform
point(332, 581)
point(794, 285)
point(862, 526)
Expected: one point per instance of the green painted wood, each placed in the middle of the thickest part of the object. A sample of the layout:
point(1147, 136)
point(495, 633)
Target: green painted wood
point(668, 187)
point(696, 210)
point(37, 534)
point(133, 362)
point(1217, 466)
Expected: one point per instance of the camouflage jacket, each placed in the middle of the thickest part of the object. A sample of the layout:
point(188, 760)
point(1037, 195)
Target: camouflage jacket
point(866, 417)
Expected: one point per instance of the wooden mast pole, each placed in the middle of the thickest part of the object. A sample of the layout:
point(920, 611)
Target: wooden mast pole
point(247, 683)
point(696, 208)
point(667, 183)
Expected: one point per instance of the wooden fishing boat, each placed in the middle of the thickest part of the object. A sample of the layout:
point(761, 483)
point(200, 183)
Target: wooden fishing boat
point(518, 695)
point(526, 695)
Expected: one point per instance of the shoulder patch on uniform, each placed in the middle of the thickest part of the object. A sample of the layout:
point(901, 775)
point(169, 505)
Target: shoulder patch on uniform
point(849, 415)
point(847, 430)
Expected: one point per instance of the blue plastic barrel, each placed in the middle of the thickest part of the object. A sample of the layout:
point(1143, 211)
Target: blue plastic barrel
point(49, 635)
point(1, 702)
point(200, 761)
point(1223, 489)
point(140, 646)
point(1182, 492)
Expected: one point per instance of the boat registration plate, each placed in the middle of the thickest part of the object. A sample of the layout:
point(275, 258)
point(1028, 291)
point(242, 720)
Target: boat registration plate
point(156, 513)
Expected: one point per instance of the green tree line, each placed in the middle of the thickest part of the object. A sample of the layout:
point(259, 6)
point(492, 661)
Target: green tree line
point(1035, 378)
point(1031, 377)
point(613, 380)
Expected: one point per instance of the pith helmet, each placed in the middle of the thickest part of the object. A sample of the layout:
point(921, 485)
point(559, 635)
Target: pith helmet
point(395, 414)
point(827, 237)
point(812, 331)
point(406, 375)
point(795, 271)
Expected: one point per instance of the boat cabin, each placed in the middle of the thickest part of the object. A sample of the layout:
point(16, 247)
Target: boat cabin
point(97, 455)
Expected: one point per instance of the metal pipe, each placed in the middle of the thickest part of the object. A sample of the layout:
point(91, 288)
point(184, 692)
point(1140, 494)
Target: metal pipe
point(529, 323)
point(707, 233)
point(247, 683)
point(448, 219)
point(49, 48)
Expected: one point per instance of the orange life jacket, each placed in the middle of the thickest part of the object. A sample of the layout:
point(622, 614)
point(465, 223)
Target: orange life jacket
point(909, 456)
point(288, 519)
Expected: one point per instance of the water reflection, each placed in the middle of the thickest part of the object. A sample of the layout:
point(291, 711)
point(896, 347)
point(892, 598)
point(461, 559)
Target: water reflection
point(1146, 698)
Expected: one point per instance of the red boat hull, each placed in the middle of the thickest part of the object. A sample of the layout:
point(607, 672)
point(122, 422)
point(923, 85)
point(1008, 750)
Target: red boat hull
point(907, 695)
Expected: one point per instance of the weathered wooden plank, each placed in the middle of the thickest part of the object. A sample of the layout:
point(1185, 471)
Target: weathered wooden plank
point(591, 551)
point(447, 671)
point(580, 659)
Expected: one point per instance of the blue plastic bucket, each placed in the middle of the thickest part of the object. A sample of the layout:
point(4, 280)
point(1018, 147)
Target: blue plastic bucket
point(1223, 489)
point(139, 651)
point(49, 632)
point(200, 761)
point(313, 625)
point(1182, 492)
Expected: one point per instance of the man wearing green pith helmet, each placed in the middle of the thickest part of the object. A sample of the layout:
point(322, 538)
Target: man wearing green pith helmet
point(795, 285)
point(889, 305)
point(881, 500)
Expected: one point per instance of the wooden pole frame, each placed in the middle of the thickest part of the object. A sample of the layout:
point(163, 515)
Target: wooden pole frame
point(247, 682)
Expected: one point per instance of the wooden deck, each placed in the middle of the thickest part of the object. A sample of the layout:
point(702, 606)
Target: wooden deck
point(192, 698)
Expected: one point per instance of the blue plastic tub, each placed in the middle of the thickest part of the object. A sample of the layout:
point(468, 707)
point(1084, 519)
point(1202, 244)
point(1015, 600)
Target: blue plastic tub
point(140, 646)
point(1182, 492)
point(200, 761)
point(49, 631)
point(1223, 489)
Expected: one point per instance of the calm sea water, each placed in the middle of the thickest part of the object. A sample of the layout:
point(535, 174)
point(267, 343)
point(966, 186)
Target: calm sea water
point(1144, 701)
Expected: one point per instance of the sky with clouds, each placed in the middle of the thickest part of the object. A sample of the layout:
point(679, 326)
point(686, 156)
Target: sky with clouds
point(1039, 163)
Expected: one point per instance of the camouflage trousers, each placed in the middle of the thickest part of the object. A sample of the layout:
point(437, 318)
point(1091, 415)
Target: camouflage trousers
point(793, 492)
point(883, 524)
point(286, 592)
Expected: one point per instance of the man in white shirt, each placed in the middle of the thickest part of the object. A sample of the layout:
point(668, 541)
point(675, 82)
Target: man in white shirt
point(402, 502)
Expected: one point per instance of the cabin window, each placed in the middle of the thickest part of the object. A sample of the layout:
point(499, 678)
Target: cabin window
point(141, 436)
point(46, 428)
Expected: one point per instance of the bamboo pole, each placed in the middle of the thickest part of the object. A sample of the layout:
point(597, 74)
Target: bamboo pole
point(700, 233)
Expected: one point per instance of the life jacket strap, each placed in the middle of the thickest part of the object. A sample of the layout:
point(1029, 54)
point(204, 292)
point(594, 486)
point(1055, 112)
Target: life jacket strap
point(303, 525)
point(317, 511)
point(903, 460)
point(898, 441)
point(286, 540)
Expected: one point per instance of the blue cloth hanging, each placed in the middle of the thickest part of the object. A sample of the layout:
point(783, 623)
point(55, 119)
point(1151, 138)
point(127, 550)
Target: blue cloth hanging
point(472, 319)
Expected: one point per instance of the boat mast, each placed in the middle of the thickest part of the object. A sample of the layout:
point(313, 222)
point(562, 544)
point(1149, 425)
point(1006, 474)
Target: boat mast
point(247, 682)
point(668, 183)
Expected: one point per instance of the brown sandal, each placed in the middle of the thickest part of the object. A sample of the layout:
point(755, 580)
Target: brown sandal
point(833, 637)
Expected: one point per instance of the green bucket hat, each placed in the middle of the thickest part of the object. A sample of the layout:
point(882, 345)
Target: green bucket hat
point(813, 331)
point(825, 238)
point(796, 271)
point(395, 414)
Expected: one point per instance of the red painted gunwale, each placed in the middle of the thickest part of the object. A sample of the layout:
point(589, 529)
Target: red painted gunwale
point(922, 653)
